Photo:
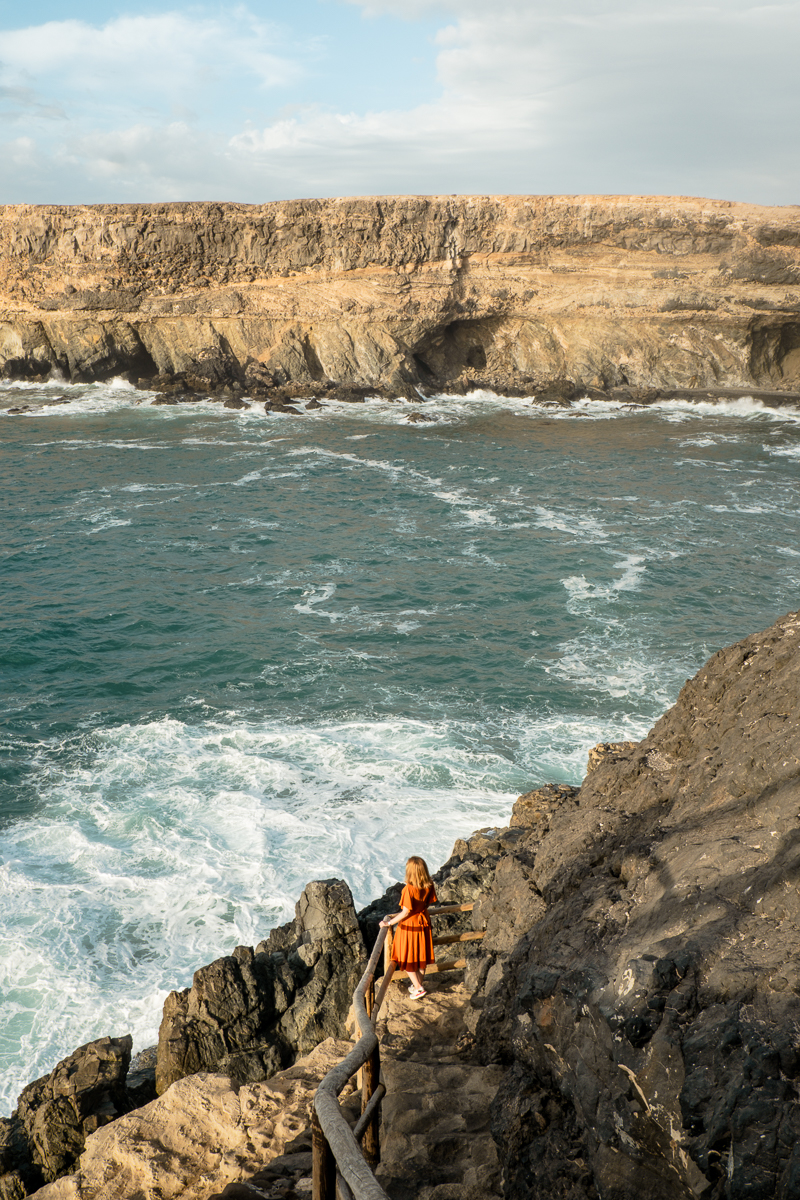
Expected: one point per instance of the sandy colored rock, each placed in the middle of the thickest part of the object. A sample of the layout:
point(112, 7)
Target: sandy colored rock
point(406, 292)
point(197, 1137)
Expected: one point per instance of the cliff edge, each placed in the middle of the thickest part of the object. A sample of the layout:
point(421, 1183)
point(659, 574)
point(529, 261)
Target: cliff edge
point(406, 294)
point(640, 975)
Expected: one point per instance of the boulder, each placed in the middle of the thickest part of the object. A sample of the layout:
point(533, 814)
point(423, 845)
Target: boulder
point(47, 1133)
point(251, 1013)
point(201, 1135)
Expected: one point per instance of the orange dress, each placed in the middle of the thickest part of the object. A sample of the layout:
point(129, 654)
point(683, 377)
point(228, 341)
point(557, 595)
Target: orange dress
point(412, 948)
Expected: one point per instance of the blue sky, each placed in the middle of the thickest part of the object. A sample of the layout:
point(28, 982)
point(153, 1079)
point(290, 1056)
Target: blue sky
point(255, 101)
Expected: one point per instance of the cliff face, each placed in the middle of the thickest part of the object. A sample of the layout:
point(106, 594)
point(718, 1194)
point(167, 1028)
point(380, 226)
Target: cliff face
point(436, 292)
point(640, 973)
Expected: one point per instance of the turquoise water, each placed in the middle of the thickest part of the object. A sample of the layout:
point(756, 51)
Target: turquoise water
point(240, 652)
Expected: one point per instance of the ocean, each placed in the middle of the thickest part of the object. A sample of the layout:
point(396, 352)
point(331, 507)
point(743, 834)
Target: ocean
point(240, 652)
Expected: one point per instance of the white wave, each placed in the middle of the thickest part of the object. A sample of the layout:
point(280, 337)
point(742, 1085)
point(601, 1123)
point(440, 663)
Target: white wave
point(468, 506)
point(155, 487)
point(80, 399)
point(741, 406)
point(111, 523)
point(576, 523)
point(632, 567)
point(630, 674)
point(582, 593)
point(318, 596)
point(744, 509)
point(392, 467)
point(99, 443)
point(471, 551)
point(783, 451)
point(480, 516)
point(708, 440)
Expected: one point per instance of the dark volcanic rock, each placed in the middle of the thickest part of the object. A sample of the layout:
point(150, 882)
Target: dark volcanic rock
point(19, 1176)
point(640, 973)
point(55, 1114)
point(251, 1013)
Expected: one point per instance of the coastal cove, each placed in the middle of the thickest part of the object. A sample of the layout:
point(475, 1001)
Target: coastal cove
point(245, 651)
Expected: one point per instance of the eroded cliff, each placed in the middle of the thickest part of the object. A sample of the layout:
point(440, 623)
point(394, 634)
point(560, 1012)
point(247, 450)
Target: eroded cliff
point(406, 292)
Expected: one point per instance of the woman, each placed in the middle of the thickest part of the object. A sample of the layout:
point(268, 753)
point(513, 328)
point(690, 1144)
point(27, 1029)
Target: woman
point(412, 948)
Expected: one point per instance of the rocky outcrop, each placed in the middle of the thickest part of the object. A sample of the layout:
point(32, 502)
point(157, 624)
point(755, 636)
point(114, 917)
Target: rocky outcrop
point(46, 1135)
point(202, 1134)
point(245, 1017)
point(251, 1013)
point(640, 975)
point(405, 294)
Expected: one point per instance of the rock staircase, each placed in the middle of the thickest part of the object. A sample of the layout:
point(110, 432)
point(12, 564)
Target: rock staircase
point(435, 1137)
point(208, 1139)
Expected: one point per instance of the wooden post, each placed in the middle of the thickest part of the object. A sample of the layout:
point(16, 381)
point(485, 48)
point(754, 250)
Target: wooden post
point(370, 1078)
point(370, 1143)
point(323, 1164)
point(387, 951)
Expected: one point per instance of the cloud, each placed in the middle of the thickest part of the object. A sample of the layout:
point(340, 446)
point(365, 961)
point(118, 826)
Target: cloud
point(642, 98)
point(145, 63)
point(19, 103)
point(639, 98)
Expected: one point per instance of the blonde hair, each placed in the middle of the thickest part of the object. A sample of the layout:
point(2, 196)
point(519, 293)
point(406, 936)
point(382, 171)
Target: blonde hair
point(417, 873)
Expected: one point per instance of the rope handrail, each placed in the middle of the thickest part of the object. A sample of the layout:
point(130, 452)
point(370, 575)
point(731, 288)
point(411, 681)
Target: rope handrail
point(339, 1162)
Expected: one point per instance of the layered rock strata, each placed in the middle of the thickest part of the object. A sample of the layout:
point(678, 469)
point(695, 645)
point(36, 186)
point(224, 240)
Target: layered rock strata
point(405, 294)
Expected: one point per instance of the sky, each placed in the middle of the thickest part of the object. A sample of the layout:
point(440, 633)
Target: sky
point(129, 100)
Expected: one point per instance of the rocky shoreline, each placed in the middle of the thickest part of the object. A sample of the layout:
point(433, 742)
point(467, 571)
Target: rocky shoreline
point(404, 296)
point(638, 984)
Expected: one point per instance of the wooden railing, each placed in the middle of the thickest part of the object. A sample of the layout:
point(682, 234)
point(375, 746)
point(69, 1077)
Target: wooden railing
point(343, 1158)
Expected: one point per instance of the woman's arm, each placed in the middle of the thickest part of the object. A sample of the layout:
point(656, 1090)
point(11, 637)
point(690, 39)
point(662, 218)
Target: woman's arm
point(396, 918)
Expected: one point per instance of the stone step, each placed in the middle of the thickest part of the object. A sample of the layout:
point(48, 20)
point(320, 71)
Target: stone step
point(436, 1142)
